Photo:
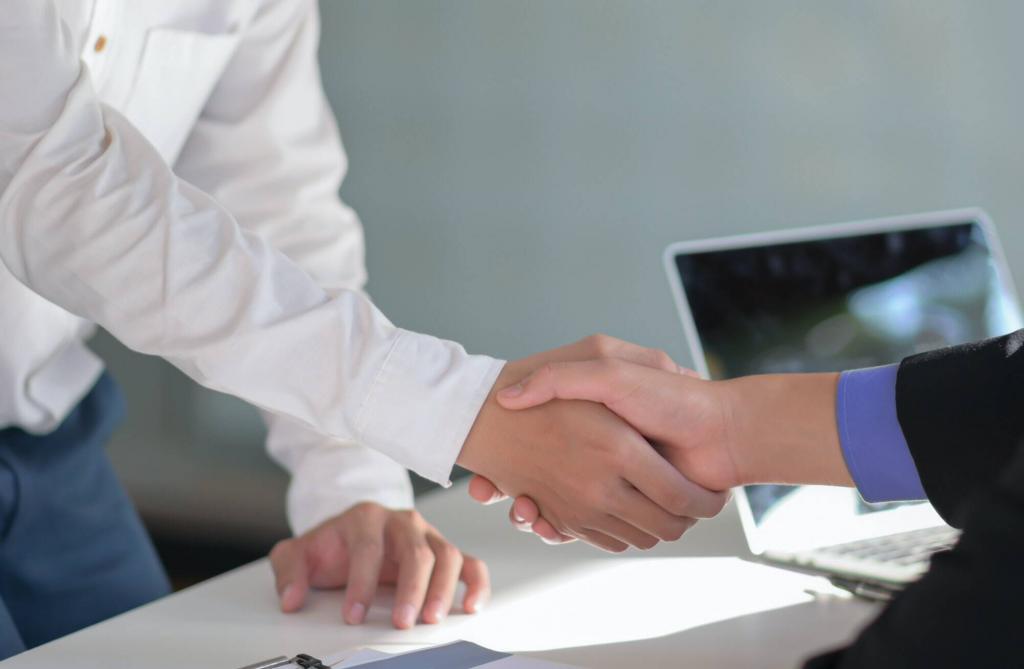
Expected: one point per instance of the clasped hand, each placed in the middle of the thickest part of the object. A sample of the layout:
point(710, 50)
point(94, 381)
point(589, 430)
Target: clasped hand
point(592, 439)
point(582, 470)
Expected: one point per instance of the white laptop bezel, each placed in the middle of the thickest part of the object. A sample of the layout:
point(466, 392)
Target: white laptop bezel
point(813, 233)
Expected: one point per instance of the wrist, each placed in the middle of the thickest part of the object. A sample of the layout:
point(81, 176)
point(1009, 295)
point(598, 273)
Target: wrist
point(470, 457)
point(784, 429)
point(473, 455)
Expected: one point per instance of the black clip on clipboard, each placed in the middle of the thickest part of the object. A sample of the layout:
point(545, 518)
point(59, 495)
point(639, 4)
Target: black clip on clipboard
point(301, 660)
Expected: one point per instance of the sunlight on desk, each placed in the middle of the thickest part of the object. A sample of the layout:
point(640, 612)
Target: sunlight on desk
point(599, 613)
point(611, 601)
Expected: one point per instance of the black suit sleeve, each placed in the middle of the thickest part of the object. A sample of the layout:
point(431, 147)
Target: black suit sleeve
point(962, 412)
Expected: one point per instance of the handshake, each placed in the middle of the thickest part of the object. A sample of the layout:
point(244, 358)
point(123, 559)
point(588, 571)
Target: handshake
point(616, 445)
point(603, 441)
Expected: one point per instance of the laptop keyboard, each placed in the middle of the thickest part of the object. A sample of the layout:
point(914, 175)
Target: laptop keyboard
point(906, 548)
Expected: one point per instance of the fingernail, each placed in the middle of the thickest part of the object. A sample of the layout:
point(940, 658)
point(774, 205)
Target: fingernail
point(434, 611)
point(405, 616)
point(472, 605)
point(519, 519)
point(288, 598)
point(356, 614)
point(512, 391)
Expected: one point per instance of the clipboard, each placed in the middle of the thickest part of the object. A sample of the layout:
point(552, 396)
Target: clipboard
point(302, 660)
point(455, 655)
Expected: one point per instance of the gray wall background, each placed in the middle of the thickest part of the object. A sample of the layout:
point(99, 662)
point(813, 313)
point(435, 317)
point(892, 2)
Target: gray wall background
point(520, 164)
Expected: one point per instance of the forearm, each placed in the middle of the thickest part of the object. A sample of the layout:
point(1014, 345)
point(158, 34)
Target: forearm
point(963, 417)
point(94, 220)
point(782, 429)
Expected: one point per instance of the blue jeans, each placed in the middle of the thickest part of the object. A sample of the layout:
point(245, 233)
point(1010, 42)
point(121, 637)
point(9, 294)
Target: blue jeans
point(72, 549)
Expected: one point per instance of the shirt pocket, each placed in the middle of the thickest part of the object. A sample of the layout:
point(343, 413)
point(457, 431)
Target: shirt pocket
point(176, 75)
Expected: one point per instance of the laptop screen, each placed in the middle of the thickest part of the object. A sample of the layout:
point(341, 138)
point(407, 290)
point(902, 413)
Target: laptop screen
point(840, 302)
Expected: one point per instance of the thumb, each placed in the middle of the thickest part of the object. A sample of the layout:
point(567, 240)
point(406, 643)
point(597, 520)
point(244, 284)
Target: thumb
point(594, 380)
point(535, 389)
point(291, 573)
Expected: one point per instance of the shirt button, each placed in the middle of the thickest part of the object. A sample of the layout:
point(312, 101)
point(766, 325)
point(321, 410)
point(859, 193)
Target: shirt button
point(101, 44)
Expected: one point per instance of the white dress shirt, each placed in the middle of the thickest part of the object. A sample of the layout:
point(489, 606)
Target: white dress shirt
point(170, 171)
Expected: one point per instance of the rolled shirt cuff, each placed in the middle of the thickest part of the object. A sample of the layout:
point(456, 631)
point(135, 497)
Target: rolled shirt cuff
point(424, 403)
point(871, 438)
point(332, 479)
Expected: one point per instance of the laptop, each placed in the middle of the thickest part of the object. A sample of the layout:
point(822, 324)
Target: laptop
point(831, 298)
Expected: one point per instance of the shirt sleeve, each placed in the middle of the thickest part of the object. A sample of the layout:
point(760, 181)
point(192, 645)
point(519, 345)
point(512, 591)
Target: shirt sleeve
point(330, 476)
point(94, 220)
point(266, 146)
point(872, 441)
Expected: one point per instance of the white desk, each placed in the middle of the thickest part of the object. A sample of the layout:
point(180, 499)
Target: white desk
point(665, 608)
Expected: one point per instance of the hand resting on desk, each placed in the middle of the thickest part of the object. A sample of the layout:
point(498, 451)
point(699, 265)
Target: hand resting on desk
point(370, 545)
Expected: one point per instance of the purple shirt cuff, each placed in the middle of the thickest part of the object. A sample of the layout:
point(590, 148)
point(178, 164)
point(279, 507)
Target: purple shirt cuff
point(873, 444)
